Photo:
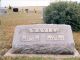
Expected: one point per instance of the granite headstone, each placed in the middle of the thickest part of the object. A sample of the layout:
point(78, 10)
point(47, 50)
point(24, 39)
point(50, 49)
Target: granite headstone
point(43, 39)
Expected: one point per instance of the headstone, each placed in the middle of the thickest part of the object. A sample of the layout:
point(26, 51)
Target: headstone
point(43, 39)
point(3, 11)
point(27, 10)
point(35, 11)
point(15, 9)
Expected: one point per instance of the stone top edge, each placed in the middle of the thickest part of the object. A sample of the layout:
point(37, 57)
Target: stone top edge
point(41, 25)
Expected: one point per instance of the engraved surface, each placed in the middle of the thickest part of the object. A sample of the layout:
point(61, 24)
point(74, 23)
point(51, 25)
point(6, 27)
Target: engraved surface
point(44, 39)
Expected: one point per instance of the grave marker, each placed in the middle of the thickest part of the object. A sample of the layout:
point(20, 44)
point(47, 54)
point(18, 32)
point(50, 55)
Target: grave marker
point(43, 39)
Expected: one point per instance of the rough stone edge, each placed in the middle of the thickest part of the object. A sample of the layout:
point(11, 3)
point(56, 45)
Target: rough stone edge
point(9, 53)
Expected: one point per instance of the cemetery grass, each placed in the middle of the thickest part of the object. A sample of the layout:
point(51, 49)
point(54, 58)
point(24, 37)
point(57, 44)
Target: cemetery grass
point(35, 58)
point(8, 23)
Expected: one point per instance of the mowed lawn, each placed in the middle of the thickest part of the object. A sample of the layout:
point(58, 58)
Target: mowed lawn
point(8, 24)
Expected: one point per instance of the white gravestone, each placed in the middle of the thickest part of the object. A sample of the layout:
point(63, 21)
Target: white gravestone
point(43, 39)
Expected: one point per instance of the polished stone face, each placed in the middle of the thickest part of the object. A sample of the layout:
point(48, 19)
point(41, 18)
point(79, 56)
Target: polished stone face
point(43, 39)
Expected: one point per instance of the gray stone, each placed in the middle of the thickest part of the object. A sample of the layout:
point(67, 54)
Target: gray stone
point(43, 39)
point(3, 11)
point(10, 53)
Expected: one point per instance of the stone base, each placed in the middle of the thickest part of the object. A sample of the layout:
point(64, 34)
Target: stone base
point(9, 53)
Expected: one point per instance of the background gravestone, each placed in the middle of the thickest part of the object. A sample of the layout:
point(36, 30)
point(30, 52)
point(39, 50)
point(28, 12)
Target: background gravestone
point(15, 9)
point(43, 39)
point(3, 11)
point(27, 10)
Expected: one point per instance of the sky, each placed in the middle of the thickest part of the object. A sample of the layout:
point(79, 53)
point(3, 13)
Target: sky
point(25, 3)
point(20, 3)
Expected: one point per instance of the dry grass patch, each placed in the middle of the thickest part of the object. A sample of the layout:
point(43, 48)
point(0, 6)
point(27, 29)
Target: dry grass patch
point(76, 36)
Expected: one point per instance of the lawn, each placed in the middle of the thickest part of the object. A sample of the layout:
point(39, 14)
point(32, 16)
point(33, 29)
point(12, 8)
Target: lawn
point(12, 19)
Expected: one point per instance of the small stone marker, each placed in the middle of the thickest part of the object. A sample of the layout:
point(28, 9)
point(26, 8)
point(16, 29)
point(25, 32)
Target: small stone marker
point(3, 11)
point(15, 9)
point(43, 39)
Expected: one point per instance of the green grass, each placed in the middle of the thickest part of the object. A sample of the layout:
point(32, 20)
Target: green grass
point(72, 59)
point(35, 58)
point(26, 58)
